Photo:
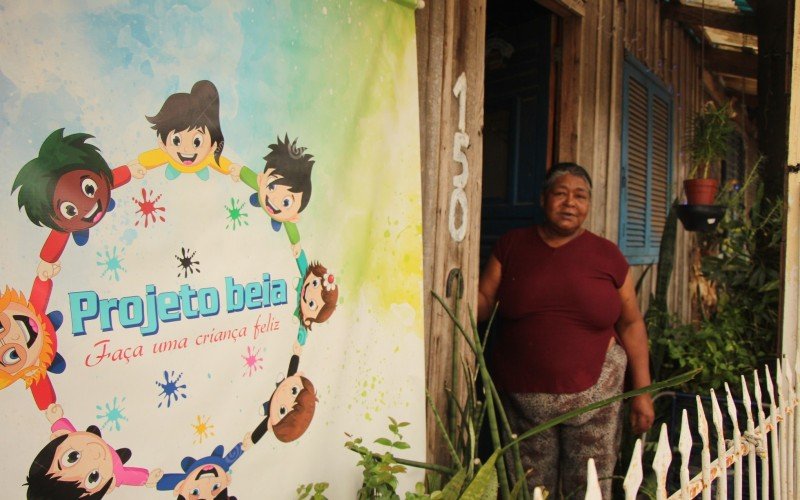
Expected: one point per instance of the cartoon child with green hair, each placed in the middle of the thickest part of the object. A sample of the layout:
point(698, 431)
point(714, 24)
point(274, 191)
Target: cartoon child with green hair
point(67, 188)
point(190, 139)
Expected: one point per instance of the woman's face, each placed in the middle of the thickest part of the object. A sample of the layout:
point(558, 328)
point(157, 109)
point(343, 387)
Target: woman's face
point(566, 203)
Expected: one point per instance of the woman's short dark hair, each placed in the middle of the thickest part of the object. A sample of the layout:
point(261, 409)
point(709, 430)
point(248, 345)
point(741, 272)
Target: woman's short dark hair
point(560, 169)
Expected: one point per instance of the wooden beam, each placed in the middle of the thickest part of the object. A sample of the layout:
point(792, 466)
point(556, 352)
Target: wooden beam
point(564, 8)
point(739, 23)
point(713, 88)
point(732, 62)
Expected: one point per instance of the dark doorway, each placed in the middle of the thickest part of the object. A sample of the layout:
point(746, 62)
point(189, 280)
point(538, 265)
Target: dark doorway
point(517, 117)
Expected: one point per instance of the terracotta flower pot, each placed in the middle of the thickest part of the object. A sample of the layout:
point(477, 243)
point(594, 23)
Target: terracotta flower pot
point(701, 191)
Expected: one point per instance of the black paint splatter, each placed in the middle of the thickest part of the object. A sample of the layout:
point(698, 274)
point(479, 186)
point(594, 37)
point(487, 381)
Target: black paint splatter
point(185, 262)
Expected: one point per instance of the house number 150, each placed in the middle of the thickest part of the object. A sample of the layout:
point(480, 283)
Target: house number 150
point(458, 198)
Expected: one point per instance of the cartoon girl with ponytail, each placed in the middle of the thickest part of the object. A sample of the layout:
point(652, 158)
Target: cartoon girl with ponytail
point(190, 138)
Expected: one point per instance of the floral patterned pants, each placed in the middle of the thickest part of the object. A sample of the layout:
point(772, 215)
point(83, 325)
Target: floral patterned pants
point(561, 452)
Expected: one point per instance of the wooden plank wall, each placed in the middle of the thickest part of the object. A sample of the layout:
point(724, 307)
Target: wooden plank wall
point(450, 41)
point(609, 29)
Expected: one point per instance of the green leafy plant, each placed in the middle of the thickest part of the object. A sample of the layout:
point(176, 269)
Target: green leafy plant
point(380, 470)
point(709, 140)
point(741, 261)
point(312, 491)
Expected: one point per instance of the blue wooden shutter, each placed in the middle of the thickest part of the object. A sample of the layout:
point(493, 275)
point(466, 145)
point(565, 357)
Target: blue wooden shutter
point(646, 163)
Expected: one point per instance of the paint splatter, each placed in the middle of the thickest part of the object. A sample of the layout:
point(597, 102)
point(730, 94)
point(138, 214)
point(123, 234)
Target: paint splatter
point(203, 429)
point(148, 208)
point(128, 236)
point(236, 215)
point(111, 263)
point(252, 361)
point(111, 415)
point(170, 390)
point(185, 262)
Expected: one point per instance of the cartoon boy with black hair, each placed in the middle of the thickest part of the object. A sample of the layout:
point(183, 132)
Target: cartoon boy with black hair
point(28, 342)
point(284, 187)
point(68, 189)
point(207, 477)
point(80, 464)
point(189, 135)
point(290, 408)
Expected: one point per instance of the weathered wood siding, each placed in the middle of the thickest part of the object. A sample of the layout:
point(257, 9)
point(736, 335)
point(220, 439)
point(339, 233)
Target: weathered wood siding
point(450, 42)
point(609, 29)
point(596, 36)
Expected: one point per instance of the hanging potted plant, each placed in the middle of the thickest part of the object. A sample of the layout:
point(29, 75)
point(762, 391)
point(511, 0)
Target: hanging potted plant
point(709, 143)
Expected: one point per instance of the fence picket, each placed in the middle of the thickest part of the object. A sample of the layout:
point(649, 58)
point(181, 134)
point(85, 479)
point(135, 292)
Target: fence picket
point(633, 479)
point(593, 491)
point(737, 445)
point(705, 456)
point(773, 438)
point(750, 435)
point(661, 463)
point(722, 464)
point(782, 437)
point(685, 448)
point(762, 430)
point(789, 415)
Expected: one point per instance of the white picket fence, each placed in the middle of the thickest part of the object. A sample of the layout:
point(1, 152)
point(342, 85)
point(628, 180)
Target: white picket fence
point(773, 439)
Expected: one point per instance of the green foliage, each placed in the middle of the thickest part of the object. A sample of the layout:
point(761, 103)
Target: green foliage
point(381, 470)
point(711, 130)
point(744, 260)
point(718, 349)
point(312, 491)
point(741, 259)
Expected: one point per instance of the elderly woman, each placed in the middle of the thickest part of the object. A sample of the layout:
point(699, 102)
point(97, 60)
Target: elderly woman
point(569, 324)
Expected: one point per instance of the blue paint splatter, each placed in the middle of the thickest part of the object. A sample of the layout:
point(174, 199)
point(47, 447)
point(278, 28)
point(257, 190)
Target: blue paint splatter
point(129, 235)
point(170, 390)
point(112, 265)
point(111, 416)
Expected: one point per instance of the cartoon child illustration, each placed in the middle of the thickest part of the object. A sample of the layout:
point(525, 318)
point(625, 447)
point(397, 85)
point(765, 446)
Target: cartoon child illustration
point(207, 477)
point(68, 189)
point(284, 187)
point(28, 346)
point(290, 409)
point(189, 135)
point(80, 464)
point(317, 295)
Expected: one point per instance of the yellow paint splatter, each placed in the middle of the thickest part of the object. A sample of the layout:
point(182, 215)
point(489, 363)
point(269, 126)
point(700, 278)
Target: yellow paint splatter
point(203, 428)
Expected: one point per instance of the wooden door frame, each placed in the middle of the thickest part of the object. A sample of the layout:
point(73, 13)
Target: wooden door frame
point(568, 95)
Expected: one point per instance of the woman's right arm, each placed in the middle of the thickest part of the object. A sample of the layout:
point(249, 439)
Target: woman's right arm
point(487, 288)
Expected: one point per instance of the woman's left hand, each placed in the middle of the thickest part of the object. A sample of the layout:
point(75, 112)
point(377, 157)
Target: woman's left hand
point(642, 413)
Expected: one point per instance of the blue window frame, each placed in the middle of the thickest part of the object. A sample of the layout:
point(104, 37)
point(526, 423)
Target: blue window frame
point(645, 192)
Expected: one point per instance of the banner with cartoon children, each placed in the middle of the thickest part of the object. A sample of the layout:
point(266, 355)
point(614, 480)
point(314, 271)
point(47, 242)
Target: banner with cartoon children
point(212, 269)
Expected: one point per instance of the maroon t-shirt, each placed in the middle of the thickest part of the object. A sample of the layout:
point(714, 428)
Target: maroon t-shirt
point(557, 311)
